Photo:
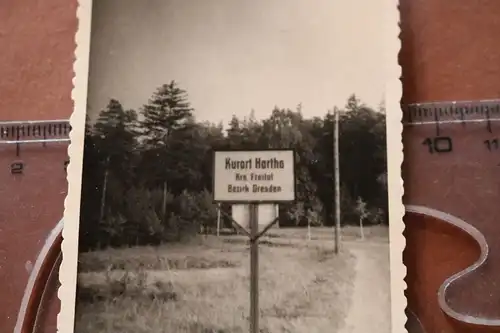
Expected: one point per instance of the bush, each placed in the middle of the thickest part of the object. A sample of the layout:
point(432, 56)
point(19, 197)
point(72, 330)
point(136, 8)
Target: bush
point(192, 211)
point(143, 220)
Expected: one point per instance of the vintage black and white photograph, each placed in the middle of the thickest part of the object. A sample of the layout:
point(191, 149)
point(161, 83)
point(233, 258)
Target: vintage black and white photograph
point(235, 169)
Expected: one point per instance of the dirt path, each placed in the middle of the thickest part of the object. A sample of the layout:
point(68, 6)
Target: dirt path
point(370, 310)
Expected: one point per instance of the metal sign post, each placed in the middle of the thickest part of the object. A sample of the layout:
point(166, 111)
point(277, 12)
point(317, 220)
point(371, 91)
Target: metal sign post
point(249, 180)
point(254, 270)
point(337, 181)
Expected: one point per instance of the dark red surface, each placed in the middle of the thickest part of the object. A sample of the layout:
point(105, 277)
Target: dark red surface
point(36, 70)
point(451, 52)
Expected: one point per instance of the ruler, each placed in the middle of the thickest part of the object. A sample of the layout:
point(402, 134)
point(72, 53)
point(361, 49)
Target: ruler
point(452, 190)
point(31, 132)
point(36, 152)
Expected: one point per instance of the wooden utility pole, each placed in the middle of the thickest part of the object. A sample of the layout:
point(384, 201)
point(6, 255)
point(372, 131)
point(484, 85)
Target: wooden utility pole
point(308, 229)
point(164, 202)
point(337, 180)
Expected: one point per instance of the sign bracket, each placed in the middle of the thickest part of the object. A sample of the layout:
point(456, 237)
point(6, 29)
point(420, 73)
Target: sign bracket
point(249, 234)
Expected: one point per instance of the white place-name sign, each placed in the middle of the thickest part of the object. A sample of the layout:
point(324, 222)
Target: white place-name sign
point(252, 176)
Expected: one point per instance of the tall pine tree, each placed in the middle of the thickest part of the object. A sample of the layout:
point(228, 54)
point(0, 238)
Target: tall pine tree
point(114, 130)
point(115, 140)
point(167, 110)
point(167, 122)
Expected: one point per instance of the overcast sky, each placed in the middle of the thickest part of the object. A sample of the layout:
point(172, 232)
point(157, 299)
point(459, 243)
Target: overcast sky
point(236, 55)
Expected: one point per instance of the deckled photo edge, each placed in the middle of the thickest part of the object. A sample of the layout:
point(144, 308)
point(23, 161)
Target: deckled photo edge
point(394, 162)
point(68, 270)
point(69, 247)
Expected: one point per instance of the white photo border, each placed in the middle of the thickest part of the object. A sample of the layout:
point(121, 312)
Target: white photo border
point(394, 128)
point(69, 247)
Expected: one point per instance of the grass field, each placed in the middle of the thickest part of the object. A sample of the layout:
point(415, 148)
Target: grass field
point(203, 287)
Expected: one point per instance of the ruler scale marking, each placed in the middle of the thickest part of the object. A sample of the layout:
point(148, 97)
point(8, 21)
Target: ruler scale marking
point(469, 112)
point(30, 132)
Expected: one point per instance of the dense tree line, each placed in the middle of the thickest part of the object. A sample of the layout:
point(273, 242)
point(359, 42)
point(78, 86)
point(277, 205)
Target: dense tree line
point(147, 174)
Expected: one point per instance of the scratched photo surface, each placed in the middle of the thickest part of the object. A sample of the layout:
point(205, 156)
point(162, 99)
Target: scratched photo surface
point(196, 108)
